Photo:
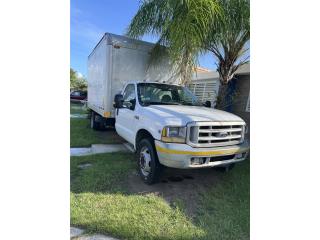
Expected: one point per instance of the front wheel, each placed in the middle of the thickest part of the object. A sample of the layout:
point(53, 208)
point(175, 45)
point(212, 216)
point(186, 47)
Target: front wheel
point(149, 167)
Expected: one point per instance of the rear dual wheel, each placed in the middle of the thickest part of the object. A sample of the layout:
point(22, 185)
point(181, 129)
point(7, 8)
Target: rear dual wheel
point(94, 121)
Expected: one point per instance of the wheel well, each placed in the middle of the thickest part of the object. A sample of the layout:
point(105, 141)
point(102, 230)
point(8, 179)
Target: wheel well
point(142, 133)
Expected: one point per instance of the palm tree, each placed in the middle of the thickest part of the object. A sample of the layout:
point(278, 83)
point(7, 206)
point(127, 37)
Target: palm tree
point(189, 28)
point(227, 41)
point(182, 27)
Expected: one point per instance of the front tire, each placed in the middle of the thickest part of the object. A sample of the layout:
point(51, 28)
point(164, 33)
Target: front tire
point(149, 167)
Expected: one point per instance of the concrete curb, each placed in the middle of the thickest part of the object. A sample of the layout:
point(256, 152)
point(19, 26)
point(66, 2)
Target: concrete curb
point(108, 148)
point(74, 232)
point(98, 148)
point(80, 151)
point(78, 234)
point(77, 115)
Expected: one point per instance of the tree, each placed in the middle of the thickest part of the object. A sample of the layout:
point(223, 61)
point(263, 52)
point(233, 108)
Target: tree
point(182, 27)
point(73, 78)
point(77, 82)
point(189, 28)
point(227, 41)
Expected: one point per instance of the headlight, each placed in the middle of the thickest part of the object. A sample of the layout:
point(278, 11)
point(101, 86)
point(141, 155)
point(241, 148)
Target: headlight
point(174, 134)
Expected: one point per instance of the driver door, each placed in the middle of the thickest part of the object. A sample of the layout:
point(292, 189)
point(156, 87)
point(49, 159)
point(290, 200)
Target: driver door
point(125, 117)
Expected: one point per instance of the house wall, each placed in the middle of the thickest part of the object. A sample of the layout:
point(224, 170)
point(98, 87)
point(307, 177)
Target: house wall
point(240, 84)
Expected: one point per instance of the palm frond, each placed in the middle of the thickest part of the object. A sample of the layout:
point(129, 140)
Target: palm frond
point(182, 27)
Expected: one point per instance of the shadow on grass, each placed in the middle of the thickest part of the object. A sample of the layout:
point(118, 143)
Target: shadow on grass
point(110, 198)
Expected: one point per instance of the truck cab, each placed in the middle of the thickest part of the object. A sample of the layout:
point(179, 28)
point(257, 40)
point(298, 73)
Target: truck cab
point(167, 126)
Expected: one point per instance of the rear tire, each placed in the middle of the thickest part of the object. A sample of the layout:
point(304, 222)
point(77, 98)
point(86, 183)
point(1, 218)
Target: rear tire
point(149, 167)
point(94, 124)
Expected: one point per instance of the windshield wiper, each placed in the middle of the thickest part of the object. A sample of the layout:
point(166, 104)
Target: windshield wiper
point(190, 103)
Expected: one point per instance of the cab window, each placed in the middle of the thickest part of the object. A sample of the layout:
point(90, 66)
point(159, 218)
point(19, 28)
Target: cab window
point(129, 96)
point(129, 93)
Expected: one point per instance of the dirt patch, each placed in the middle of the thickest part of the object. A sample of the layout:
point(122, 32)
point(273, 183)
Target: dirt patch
point(177, 185)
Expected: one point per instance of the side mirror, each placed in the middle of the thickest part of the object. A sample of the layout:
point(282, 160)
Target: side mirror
point(118, 101)
point(133, 104)
point(207, 104)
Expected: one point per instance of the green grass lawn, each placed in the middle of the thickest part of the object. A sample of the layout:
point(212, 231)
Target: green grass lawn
point(77, 108)
point(81, 135)
point(101, 203)
point(224, 211)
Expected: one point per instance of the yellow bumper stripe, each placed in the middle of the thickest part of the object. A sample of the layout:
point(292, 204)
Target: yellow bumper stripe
point(207, 153)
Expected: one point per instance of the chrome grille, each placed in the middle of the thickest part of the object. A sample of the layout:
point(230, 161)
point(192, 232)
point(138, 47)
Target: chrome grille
point(212, 134)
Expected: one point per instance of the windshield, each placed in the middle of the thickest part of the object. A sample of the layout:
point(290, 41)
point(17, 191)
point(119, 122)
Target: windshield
point(165, 94)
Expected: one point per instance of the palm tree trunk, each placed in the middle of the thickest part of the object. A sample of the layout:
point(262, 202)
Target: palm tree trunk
point(186, 67)
point(222, 96)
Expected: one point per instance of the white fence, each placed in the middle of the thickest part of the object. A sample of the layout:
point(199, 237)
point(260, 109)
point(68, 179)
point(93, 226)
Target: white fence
point(205, 90)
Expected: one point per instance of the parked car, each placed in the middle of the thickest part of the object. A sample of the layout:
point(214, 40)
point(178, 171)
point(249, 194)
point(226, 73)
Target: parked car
point(164, 123)
point(78, 95)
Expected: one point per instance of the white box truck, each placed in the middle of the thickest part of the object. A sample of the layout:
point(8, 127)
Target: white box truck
point(164, 123)
point(113, 62)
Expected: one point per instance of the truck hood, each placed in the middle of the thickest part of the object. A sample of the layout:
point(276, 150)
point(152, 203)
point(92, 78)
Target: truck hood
point(181, 115)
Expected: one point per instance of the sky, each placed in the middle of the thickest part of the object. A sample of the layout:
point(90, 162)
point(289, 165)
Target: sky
point(90, 19)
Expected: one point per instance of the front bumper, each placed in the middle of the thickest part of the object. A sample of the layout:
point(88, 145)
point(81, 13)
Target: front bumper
point(184, 156)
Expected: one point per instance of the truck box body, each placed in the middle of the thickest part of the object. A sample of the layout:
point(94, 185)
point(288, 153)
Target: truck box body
point(115, 61)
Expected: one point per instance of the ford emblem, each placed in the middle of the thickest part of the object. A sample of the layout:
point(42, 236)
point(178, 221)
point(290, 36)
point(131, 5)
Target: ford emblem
point(222, 134)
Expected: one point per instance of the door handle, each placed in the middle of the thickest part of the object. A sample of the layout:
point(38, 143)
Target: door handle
point(136, 117)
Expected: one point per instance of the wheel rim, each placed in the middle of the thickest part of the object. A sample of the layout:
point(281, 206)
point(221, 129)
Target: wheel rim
point(144, 161)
